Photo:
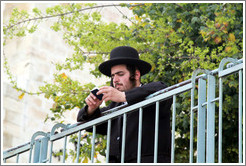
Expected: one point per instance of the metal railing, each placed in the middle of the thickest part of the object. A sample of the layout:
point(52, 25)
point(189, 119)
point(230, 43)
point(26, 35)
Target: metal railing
point(205, 109)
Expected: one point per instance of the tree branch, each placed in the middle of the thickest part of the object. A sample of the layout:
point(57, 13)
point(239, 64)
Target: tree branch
point(63, 14)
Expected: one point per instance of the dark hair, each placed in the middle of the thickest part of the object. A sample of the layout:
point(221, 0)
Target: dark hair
point(132, 69)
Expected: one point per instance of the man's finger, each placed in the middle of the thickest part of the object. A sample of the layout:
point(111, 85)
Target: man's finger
point(92, 96)
point(102, 91)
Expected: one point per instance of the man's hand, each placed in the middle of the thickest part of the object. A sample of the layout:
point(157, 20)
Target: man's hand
point(112, 94)
point(93, 103)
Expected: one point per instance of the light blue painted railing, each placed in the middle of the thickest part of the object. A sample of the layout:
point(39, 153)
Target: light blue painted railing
point(40, 141)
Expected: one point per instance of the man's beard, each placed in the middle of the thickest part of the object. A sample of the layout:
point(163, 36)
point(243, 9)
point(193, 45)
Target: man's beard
point(132, 82)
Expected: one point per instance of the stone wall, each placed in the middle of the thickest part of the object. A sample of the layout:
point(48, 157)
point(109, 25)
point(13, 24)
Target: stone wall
point(30, 60)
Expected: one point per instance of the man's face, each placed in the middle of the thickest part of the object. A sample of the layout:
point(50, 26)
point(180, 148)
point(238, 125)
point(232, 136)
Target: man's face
point(120, 77)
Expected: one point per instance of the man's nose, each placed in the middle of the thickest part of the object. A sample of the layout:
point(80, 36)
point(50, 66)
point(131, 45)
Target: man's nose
point(116, 79)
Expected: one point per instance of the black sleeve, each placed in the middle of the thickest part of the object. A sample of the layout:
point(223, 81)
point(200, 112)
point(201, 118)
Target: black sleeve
point(84, 117)
point(140, 93)
point(83, 114)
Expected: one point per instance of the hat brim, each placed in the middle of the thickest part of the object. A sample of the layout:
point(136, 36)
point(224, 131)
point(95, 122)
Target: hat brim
point(105, 67)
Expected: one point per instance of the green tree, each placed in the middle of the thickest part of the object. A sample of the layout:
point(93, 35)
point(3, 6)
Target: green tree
point(176, 38)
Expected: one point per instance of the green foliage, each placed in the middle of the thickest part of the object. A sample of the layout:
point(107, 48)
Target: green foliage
point(176, 38)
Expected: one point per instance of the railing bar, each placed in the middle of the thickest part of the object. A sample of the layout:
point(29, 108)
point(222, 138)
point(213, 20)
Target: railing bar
point(194, 108)
point(108, 140)
point(43, 150)
point(18, 149)
point(17, 158)
point(51, 148)
point(204, 104)
point(64, 149)
point(191, 125)
point(161, 97)
point(78, 147)
point(93, 144)
point(40, 151)
point(214, 100)
point(230, 70)
point(156, 131)
point(220, 119)
point(36, 154)
point(123, 139)
point(210, 120)
point(173, 129)
point(30, 154)
point(201, 122)
point(140, 134)
point(240, 111)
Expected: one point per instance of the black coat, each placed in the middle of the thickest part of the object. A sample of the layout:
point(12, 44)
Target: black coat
point(148, 127)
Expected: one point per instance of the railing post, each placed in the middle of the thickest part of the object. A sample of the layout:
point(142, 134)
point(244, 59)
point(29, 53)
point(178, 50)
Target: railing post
point(220, 119)
point(173, 129)
point(78, 147)
point(108, 140)
point(53, 132)
point(210, 119)
point(36, 154)
point(220, 70)
point(123, 138)
point(40, 148)
point(156, 131)
point(240, 117)
point(44, 150)
point(193, 81)
point(93, 144)
point(140, 134)
point(201, 121)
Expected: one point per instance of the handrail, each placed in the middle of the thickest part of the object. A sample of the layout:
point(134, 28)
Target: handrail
point(232, 66)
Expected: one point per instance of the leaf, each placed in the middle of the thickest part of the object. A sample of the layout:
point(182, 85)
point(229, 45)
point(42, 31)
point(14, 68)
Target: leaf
point(217, 40)
point(21, 96)
point(228, 49)
point(85, 160)
point(64, 76)
point(231, 37)
point(180, 20)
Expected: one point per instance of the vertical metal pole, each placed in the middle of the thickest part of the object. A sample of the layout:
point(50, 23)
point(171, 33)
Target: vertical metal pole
point(201, 121)
point(93, 144)
point(240, 118)
point(123, 139)
point(220, 119)
point(43, 150)
point(17, 158)
point(156, 131)
point(64, 149)
point(36, 155)
point(78, 147)
point(210, 120)
point(191, 124)
point(173, 129)
point(30, 154)
point(140, 134)
point(51, 148)
point(108, 140)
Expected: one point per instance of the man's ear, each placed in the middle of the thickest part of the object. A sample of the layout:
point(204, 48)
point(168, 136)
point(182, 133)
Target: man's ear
point(137, 74)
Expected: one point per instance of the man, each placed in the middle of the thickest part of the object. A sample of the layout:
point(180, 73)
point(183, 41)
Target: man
point(125, 69)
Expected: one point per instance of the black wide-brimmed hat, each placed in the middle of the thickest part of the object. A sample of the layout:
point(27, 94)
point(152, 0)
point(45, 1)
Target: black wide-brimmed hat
point(124, 55)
